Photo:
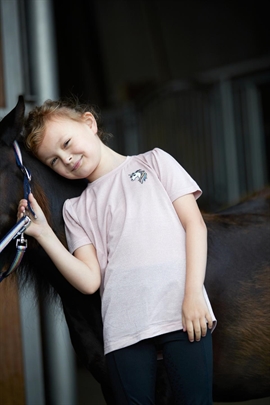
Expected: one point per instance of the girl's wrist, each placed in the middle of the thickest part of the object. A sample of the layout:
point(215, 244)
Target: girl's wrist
point(193, 290)
point(45, 233)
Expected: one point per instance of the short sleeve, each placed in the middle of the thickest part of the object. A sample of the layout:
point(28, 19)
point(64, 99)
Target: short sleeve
point(75, 234)
point(174, 178)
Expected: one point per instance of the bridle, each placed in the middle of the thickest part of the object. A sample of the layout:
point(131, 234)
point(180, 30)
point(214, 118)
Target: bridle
point(17, 231)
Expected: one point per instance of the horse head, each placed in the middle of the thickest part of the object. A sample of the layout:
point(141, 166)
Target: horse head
point(11, 189)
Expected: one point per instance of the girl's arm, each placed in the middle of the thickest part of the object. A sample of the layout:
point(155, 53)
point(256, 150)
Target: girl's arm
point(195, 312)
point(81, 270)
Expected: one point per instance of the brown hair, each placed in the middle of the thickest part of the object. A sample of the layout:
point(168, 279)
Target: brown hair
point(67, 108)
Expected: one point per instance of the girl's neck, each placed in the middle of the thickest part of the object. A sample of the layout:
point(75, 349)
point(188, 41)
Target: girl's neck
point(110, 160)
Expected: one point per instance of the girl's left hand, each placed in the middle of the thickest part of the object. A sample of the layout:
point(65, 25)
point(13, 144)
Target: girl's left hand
point(196, 316)
point(38, 224)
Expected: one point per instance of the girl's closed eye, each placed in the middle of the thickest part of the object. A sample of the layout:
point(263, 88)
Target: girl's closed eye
point(53, 162)
point(67, 143)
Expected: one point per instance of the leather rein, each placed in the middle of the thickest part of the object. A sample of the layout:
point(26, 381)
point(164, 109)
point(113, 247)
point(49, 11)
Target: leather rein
point(17, 231)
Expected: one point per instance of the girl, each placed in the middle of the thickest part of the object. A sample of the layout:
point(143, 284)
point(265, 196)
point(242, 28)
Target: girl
point(135, 233)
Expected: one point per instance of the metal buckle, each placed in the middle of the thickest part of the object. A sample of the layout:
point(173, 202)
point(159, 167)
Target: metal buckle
point(21, 243)
point(27, 222)
point(16, 231)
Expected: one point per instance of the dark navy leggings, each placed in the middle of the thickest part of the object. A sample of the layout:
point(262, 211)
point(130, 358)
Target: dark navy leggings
point(189, 366)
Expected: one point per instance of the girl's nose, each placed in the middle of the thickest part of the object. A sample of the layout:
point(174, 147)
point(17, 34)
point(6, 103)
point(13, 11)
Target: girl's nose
point(68, 159)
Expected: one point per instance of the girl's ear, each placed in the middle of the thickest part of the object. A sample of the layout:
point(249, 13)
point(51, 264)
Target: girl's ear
point(89, 119)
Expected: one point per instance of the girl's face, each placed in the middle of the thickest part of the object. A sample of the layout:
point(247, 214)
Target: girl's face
point(72, 149)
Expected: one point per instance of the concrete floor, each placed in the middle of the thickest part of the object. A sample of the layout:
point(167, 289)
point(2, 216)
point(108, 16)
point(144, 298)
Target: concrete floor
point(89, 392)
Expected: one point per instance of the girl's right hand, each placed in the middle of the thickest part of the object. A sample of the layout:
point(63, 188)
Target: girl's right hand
point(39, 224)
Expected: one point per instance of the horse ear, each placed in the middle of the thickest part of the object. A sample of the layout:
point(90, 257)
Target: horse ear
point(12, 124)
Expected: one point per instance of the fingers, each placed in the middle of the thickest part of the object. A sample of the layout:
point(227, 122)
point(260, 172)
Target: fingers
point(195, 332)
point(21, 209)
point(190, 332)
point(206, 323)
point(24, 206)
point(196, 318)
point(197, 328)
point(198, 333)
point(209, 320)
point(189, 327)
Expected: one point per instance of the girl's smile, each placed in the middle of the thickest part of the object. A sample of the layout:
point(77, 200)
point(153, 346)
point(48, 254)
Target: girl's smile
point(77, 165)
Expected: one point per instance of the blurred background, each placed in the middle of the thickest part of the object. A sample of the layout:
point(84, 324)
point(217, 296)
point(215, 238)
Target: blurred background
point(191, 77)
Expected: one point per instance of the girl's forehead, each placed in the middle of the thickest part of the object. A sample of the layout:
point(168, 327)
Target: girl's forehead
point(59, 126)
point(58, 120)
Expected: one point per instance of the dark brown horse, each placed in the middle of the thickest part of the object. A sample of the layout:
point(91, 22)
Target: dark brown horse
point(238, 282)
point(237, 278)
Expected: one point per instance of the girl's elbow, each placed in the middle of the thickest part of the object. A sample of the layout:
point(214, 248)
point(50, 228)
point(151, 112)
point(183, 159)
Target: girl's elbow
point(88, 291)
point(90, 288)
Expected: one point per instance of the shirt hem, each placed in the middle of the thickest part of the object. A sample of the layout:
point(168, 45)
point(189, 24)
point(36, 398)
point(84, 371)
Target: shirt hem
point(147, 334)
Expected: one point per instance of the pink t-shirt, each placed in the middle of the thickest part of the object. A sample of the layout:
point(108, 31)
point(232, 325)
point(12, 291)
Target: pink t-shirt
point(128, 216)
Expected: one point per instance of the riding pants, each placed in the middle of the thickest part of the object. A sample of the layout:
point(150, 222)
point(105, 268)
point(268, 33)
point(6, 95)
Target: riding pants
point(189, 367)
